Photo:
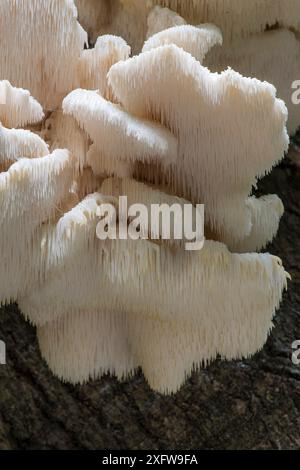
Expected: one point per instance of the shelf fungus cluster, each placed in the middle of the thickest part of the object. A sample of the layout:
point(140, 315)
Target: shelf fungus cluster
point(158, 127)
point(261, 38)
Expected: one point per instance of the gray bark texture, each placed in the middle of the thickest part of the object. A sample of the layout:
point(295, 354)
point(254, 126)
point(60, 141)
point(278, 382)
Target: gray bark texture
point(251, 404)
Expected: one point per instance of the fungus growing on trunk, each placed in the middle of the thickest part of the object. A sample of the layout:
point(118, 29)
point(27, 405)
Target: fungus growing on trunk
point(41, 42)
point(128, 300)
point(17, 107)
point(18, 142)
point(206, 171)
point(257, 36)
point(61, 131)
point(149, 324)
point(195, 40)
point(167, 131)
point(264, 56)
point(31, 190)
point(95, 63)
point(235, 18)
point(118, 137)
point(249, 46)
point(33, 184)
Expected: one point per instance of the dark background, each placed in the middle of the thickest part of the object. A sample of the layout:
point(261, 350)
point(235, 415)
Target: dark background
point(251, 404)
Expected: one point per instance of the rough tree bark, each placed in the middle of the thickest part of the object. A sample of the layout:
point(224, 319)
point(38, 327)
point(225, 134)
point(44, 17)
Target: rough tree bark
point(233, 405)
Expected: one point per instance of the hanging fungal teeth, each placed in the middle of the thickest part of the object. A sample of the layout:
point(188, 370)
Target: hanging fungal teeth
point(30, 191)
point(95, 63)
point(159, 271)
point(116, 134)
point(250, 47)
point(195, 104)
point(42, 57)
point(17, 143)
point(264, 56)
point(194, 326)
point(62, 131)
point(103, 166)
point(17, 107)
point(197, 40)
point(169, 131)
point(151, 226)
point(83, 346)
point(266, 213)
point(236, 18)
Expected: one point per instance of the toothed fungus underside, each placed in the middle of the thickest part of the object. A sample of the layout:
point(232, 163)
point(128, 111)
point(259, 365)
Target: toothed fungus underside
point(41, 42)
point(261, 38)
point(162, 129)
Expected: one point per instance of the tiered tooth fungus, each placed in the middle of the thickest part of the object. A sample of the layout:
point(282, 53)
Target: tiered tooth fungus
point(158, 127)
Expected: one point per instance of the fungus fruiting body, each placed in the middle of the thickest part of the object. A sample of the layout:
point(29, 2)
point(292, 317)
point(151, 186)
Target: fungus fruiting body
point(41, 41)
point(159, 128)
point(260, 37)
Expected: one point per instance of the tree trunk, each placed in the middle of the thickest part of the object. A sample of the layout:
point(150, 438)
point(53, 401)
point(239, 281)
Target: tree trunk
point(233, 405)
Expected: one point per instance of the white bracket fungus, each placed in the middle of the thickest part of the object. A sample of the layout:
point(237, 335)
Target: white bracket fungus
point(168, 130)
point(95, 63)
point(256, 39)
point(41, 42)
point(117, 135)
point(209, 109)
point(17, 107)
